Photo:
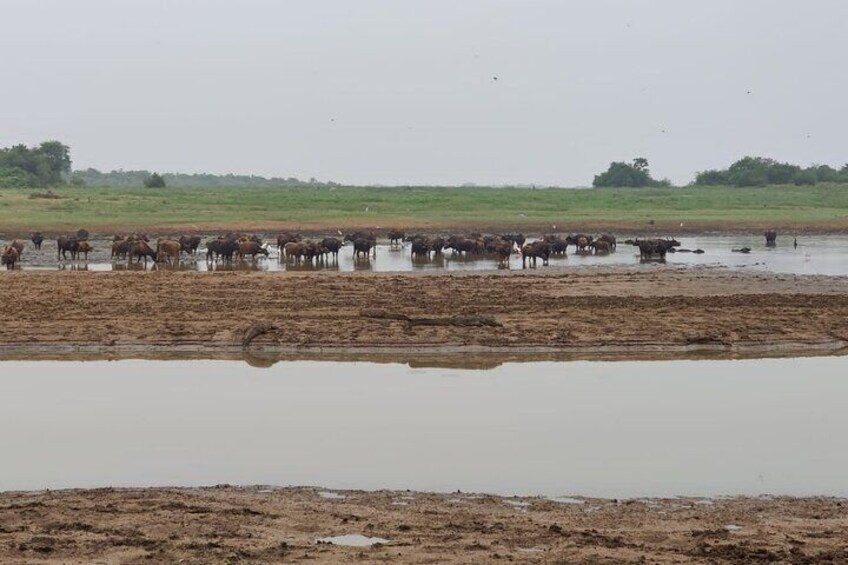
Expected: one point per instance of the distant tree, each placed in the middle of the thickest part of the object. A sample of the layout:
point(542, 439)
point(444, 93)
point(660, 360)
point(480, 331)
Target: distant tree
point(77, 180)
point(712, 177)
point(807, 177)
point(45, 165)
point(154, 181)
point(620, 173)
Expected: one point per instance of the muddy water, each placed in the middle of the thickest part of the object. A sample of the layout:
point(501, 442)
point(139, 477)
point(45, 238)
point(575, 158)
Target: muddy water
point(613, 429)
point(823, 255)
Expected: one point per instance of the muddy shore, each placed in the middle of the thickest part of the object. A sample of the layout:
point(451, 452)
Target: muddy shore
point(262, 524)
point(610, 310)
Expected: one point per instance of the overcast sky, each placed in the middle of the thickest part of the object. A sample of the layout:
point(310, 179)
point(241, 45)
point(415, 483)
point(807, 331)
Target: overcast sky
point(404, 91)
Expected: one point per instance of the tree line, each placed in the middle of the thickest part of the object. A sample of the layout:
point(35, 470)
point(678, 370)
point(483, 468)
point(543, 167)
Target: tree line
point(748, 171)
point(49, 165)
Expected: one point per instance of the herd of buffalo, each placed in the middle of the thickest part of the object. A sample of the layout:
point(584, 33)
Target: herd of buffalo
point(296, 249)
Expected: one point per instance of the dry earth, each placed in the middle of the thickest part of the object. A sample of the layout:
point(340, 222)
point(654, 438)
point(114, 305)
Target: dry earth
point(264, 525)
point(661, 310)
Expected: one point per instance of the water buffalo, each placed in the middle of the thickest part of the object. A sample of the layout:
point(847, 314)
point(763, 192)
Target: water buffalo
point(559, 246)
point(396, 237)
point(601, 246)
point(370, 237)
point(421, 247)
point(650, 248)
point(168, 251)
point(141, 249)
point(467, 245)
point(121, 248)
point(535, 250)
point(502, 249)
point(83, 248)
point(221, 247)
point(284, 238)
point(609, 238)
point(581, 241)
point(251, 248)
point(771, 238)
point(65, 245)
point(362, 245)
point(189, 243)
point(10, 257)
point(295, 250)
point(37, 238)
point(517, 239)
point(19, 247)
point(332, 245)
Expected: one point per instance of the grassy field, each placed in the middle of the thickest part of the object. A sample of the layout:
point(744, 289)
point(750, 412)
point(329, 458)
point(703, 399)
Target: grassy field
point(823, 207)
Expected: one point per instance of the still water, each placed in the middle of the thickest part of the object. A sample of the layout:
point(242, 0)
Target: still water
point(815, 255)
point(610, 429)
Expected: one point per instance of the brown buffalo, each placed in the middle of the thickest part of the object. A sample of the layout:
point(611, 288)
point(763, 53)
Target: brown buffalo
point(83, 248)
point(168, 250)
point(601, 247)
point(121, 248)
point(251, 248)
point(10, 257)
point(141, 249)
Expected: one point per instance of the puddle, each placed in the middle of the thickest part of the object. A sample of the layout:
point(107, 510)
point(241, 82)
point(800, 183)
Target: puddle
point(627, 429)
point(566, 500)
point(331, 495)
point(352, 540)
point(819, 254)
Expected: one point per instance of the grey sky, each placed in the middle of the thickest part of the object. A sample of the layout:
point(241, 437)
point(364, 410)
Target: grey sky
point(402, 91)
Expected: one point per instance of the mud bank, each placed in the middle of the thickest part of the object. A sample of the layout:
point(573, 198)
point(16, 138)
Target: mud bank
point(265, 524)
point(659, 312)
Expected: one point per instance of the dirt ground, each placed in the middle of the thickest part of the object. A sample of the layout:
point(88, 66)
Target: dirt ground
point(266, 525)
point(608, 309)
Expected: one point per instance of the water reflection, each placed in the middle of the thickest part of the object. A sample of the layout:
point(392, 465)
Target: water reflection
point(621, 429)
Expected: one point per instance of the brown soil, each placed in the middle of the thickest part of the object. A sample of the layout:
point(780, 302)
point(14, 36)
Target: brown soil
point(665, 310)
point(264, 525)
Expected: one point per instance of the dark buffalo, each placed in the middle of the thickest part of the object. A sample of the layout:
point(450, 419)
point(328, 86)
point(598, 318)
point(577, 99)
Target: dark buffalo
point(601, 247)
point(221, 247)
point(189, 243)
point(651, 248)
point(332, 246)
point(517, 239)
point(65, 245)
point(771, 238)
point(284, 238)
point(536, 250)
point(396, 237)
point(37, 239)
point(559, 246)
point(362, 245)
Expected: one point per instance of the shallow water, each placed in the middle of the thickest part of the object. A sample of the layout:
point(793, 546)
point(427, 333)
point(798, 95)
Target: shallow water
point(612, 429)
point(823, 255)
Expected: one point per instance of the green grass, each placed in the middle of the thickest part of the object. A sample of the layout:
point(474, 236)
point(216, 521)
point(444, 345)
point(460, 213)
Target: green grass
point(786, 206)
